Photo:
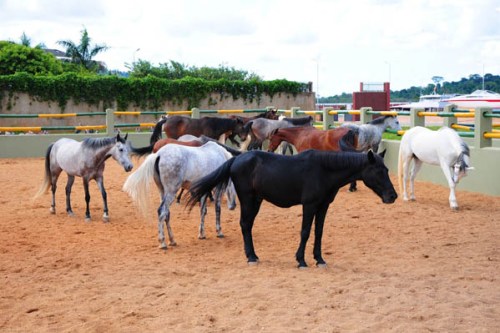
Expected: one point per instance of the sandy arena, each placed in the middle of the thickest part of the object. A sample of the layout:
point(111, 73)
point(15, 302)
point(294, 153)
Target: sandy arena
point(406, 267)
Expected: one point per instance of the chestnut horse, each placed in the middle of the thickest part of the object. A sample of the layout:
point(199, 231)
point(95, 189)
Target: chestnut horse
point(303, 138)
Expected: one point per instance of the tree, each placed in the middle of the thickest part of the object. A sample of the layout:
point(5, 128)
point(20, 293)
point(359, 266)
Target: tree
point(83, 53)
point(26, 41)
point(16, 58)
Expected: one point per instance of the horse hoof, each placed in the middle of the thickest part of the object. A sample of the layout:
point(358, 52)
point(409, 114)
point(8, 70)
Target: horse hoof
point(202, 237)
point(71, 214)
point(172, 244)
point(323, 266)
point(105, 219)
point(220, 235)
point(87, 219)
point(253, 263)
point(454, 209)
point(302, 267)
point(52, 210)
point(163, 246)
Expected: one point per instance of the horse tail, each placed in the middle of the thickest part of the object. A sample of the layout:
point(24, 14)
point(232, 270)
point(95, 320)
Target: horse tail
point(247, 127)
point(157, 130)
point(138, 183)
point(141, 151)
point(349, 141)
point(218, 178)
point(46, 179)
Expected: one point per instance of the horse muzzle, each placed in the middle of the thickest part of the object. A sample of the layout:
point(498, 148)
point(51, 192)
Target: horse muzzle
point(128, 167)
point(389, 198)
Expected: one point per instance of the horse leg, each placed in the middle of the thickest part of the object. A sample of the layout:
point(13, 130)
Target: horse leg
point(417, 164)
point(69, 185)
point(319, 222)
point(218, 229)
point(178, 200)
point(100, 184)
point(308, 213)
point(249, 209)
point(406, 170)
point(203, 212)
point(244, 145)
point(53, 184)
point(448, 174)
point(87, 199)
point(164, 216)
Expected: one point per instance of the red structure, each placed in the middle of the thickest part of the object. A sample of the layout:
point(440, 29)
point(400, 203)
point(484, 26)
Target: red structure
point(374, 95)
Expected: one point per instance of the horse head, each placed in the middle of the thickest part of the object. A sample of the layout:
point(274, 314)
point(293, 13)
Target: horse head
point(375, 175)
point(120, 152)
point(271, 114)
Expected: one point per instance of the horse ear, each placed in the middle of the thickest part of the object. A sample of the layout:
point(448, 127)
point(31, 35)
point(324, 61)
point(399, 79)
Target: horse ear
point(382, 154)
point(118, 138)
point(371, 156)
point(126, 136)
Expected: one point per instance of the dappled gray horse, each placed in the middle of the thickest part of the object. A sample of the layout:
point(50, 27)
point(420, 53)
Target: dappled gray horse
point(83, 159)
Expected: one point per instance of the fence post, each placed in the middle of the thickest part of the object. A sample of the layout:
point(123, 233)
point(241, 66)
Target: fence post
point(482, 125)
point(195, 113)
point(448, 121)
point(110, 122)
point(328, 119)
point(415, 120)
point(294, 112)
point(364, 116)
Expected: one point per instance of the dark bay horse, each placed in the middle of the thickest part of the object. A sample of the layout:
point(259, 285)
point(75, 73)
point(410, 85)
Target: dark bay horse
point(217, 128)
point(261, 129)
point(311, 179)
point(84, 159)
point(303, 138)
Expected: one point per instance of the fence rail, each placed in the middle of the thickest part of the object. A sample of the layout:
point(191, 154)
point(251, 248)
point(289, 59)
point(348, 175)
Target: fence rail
point(482, 129)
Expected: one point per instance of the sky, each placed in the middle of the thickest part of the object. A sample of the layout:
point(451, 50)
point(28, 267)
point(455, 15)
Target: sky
point(336, 44)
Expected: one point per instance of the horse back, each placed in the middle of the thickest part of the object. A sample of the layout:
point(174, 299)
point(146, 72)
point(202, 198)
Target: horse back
point(166, 141)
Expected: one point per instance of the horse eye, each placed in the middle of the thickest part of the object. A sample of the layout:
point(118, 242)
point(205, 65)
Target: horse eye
point(121, 150)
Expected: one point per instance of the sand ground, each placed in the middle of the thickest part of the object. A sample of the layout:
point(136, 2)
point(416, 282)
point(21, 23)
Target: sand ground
point(406, 267)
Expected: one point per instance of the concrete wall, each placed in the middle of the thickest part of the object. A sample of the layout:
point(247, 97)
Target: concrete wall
point(25, 104)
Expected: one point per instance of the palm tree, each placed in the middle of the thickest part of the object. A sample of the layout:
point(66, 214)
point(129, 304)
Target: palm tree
point(26, 41)
point(83, 53)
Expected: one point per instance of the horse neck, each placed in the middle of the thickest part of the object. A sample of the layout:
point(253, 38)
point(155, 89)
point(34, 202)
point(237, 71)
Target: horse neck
point(346, 161)
point(101, 154)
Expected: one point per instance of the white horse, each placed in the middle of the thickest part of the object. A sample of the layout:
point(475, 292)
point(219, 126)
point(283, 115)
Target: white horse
point(83, 159)
point(443, 147)
point(370, 134)
point(174, 167)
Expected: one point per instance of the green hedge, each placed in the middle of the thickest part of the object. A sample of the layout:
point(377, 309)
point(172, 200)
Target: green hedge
point(147, 93)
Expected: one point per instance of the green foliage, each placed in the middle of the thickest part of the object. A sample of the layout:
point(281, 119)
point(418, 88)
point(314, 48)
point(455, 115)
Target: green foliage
point(175, 70)
point(16, 58)
point(83, 53)
point(148, 93)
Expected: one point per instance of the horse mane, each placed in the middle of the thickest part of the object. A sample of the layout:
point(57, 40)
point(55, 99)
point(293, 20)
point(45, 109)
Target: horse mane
point(461, 158)
point(299, 121)
point(378, 121)
point(339, 160)
point(96, 143)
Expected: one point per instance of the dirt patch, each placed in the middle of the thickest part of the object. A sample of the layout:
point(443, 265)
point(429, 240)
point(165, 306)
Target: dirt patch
point(402, 267)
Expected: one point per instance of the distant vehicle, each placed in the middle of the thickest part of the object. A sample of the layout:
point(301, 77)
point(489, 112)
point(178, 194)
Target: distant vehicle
point(432, 102)
point(479, 98)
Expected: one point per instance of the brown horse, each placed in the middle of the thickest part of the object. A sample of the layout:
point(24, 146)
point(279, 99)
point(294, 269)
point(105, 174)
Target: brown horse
point(213, 127)
point(303, 138)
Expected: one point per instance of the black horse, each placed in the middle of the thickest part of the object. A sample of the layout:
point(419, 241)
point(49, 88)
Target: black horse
point(311, 179)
